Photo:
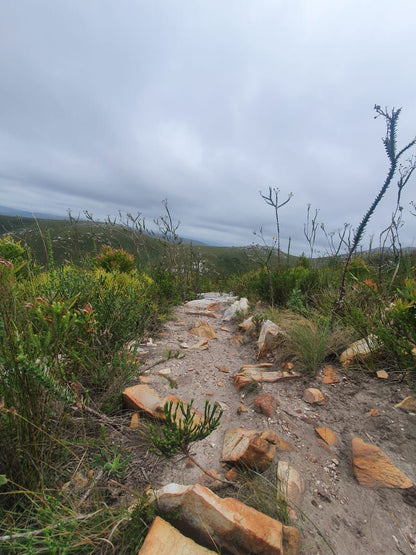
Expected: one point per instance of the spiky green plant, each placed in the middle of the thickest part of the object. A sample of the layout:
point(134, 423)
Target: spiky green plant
point(390, 145)
point(182, 427)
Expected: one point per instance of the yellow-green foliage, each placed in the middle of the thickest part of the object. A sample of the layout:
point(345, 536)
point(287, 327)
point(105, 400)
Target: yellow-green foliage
point(11, 250)
point(118, 260)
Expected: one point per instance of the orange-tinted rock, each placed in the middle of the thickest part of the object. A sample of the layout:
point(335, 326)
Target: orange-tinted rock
point(373, 468)
point(142, 397)
point(227, 523)
point(373, 412)
point(201, 345)
point(329, 375)
point(313, 396)
point(164, 539)
point(382, 375)
point(283, 445)
point(327, 435)
point(408, 404)
point(250, 448)
point(134, 421)
point(265, 404)
point(252, 374)
point(223, 369)
point(203, 330)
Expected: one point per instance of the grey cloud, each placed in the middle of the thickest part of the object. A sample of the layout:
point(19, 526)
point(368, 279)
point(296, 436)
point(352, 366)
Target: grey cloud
point(107, 106)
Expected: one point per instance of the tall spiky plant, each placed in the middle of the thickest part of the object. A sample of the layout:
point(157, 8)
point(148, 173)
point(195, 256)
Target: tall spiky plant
point(390, 145)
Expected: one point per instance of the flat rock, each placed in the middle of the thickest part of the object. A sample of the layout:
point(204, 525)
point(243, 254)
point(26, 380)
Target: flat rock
point(373, 468)
point(290, 483)
point(327, 435)
point(249, 447)
point(252, 374)
point(164, 539)
point(408, 404)
point(145, 398)
point(226, 523)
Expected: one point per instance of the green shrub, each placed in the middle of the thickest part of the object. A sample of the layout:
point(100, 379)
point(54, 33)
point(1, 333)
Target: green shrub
point(396, 328)
point(115, 260)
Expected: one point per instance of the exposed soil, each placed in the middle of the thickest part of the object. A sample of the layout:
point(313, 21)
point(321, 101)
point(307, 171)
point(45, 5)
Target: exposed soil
point(350, 517)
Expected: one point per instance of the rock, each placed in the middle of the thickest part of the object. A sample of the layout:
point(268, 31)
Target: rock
point(327, 435)
point(408, 404)
point(382, 375)
point(372, 468)
point(268, 338)
point(227, 523)
point(201, 345)
point(248, 447)
point(223, 369)
point(142, 397)
point(164, 539)
point(359, 350)
point(241, 409)
point(248, 326)
point(290, 483)
point(203, 330)
point(250, 375)
point(313, 396)
point(329, 375)
point(265, 404)
point(135, 421)
point(283, 445)
point(238, 307)
point(165, 372)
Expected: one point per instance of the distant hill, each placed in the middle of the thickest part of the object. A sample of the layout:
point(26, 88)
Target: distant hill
point(7, 211)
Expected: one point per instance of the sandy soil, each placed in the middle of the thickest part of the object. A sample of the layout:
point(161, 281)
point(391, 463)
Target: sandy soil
point(350, 517)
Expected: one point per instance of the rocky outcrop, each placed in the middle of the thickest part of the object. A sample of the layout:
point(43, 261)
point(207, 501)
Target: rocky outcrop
point(250, 448)
point(164, 539)
point(226, 523)
point(373, 468)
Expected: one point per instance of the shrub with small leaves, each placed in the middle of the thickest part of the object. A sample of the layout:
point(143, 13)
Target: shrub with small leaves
point(115, 260)
point(183, 427)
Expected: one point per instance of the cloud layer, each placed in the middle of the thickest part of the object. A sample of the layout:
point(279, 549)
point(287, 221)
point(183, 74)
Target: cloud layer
point(110, 106)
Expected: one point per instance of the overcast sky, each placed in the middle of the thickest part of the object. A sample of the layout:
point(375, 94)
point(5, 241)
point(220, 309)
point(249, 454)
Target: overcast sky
point(117, 105)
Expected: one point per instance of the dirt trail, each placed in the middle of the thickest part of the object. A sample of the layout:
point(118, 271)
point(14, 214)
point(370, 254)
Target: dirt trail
point(352, 518)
